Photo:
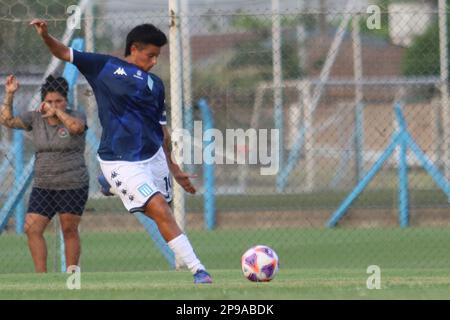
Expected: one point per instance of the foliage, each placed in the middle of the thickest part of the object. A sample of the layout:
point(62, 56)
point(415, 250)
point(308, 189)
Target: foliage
point(422, 58)
point(255, 55)
point(20, 46)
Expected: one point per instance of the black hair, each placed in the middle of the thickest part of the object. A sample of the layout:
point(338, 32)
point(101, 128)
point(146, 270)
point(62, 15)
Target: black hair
point(145, 34)
point(53, 84)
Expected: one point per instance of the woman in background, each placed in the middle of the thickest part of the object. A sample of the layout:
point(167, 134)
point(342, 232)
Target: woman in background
point(61, 178)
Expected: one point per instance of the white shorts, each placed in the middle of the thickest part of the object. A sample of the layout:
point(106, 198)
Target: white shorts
point(137, 182)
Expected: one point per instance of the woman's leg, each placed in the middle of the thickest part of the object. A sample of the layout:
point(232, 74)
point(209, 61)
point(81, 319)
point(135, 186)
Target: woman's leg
point(35, 225)
point(69, 227)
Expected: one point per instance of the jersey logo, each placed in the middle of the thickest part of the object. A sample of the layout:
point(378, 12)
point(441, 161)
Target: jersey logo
point(138, 75)
point(120, 72)
point(145, 190)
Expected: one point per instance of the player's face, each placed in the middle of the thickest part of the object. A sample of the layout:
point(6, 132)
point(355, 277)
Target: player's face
point(145, 56)
point(56, 100)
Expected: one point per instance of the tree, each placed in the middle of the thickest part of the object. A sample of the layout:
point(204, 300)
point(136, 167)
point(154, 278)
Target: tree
point(257, 53)
point(422, 58)
point(20, 48)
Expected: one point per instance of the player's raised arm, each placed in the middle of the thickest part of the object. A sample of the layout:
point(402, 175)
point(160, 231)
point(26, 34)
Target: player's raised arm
point(58, 49)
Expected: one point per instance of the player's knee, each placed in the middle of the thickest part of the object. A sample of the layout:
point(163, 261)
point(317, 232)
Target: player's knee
point(158, 209)
point(160, 215)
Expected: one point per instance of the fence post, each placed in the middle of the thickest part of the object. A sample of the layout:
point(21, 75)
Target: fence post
point(403, 192)
point(208, 170)
point(188, 115)
point(278, 83)
point(176, 102)
point(358, 74)
point(18, 175)
point(443, 42)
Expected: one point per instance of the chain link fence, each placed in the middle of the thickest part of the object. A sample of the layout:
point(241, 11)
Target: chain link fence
point(355, 92)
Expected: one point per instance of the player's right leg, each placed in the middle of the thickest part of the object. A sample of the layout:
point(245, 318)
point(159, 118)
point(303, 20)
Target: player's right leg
point(176, 239)
point(135, 185)
point(158, 210)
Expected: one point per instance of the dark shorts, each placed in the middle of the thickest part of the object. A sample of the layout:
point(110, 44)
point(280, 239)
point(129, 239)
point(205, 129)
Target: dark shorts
point(49, 202)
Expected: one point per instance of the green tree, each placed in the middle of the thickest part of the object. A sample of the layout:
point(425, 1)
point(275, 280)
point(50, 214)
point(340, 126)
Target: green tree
point(256, 54)
point(20, 48)
point(422, 58)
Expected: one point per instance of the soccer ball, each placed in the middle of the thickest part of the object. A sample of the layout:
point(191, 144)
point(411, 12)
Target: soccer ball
point(259, 263)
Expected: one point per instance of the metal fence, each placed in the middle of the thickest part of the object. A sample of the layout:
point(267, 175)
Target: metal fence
point(358, 96)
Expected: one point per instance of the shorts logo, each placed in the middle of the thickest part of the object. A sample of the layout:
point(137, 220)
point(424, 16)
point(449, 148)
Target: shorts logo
point(145, 190)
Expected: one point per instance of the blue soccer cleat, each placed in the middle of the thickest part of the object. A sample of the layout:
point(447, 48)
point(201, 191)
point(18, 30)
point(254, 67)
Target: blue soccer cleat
point(201, 276)
point(105, 186)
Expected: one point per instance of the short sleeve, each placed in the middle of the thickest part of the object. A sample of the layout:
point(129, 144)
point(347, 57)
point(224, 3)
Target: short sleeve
point(27, 119)
point(89, 64)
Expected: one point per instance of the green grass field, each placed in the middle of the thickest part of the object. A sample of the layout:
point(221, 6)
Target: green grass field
point(230, 284)
point(314, 264)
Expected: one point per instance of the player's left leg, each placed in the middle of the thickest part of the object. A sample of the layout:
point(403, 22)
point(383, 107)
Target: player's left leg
point(105, 187)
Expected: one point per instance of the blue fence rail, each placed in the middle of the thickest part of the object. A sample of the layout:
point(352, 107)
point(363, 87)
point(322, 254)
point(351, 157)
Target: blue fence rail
point(402, 139)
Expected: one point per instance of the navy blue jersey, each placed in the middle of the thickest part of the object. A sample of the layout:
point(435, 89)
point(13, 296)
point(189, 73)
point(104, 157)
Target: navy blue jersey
point(130, 106)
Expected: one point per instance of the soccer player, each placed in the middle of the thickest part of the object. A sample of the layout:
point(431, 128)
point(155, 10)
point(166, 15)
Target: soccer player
point(135, 148)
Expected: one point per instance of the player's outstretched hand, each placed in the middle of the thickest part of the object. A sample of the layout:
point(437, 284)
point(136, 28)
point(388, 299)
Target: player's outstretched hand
point(184, 180)
point(11, 84)
point(40, 26)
